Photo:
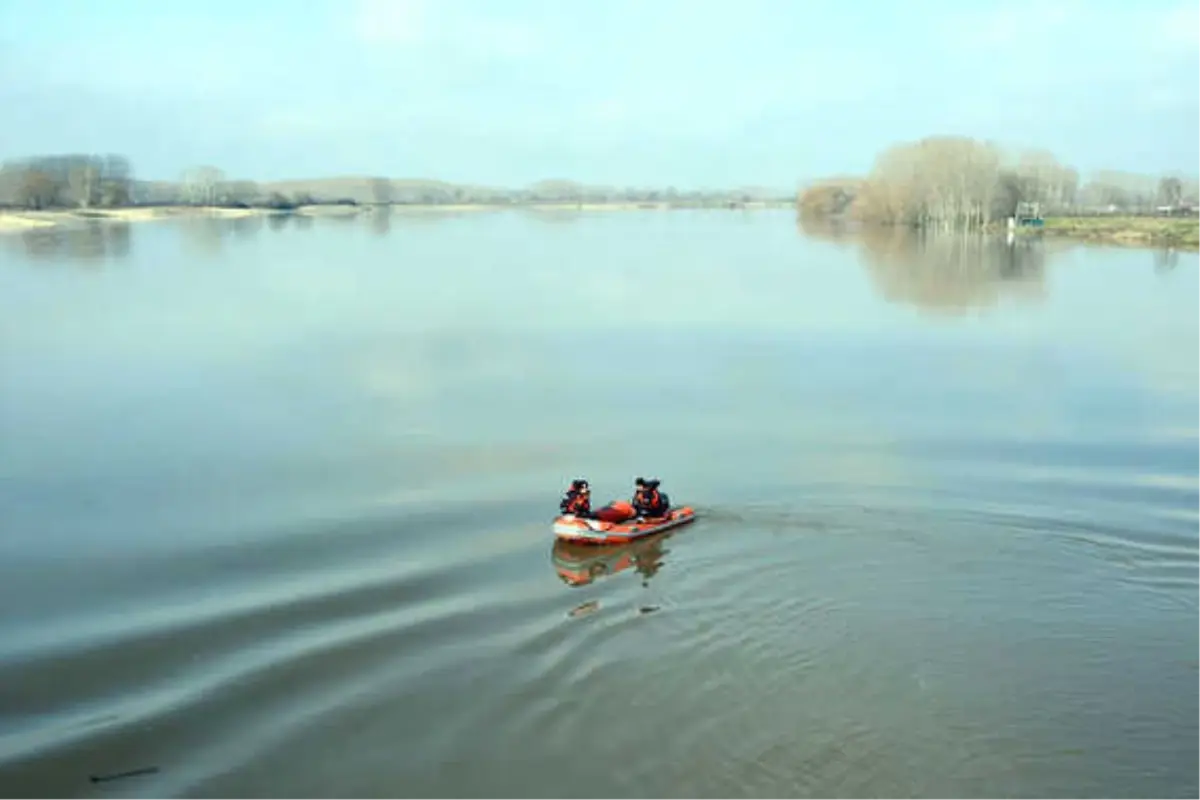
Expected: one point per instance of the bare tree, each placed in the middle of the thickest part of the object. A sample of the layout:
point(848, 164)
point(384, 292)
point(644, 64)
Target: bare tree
point(82, 180)
point(116, 181)
point(200, 185)
point(1190, 193)
point(1124, 191)
point(38, 190)
point(828, 198)
point(1170, 191)
point(1045, 181)
point(239, 192)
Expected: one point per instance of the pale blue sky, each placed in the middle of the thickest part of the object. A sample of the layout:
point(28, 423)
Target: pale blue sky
point(695, 93)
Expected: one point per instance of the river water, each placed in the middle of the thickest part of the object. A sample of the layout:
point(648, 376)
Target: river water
point(276, 502)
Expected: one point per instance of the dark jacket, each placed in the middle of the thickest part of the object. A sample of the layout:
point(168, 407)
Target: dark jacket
point(575, 503)
point(651, 503)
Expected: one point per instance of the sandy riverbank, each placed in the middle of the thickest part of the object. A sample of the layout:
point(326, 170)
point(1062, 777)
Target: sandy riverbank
point(14, 220)
point(17, 221)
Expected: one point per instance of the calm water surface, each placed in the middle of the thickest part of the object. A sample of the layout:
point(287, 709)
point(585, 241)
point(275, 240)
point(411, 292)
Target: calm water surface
point(276, 501)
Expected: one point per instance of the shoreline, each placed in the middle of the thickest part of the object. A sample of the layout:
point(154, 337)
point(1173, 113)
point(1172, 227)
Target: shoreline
point(1180, 233)
point(14, 220)
point(1172, 233)
point(1127, 231)
point(18, 220)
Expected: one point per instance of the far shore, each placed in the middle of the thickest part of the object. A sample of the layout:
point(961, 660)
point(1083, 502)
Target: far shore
point(1159, 232)
point(18, 220)
point(1137, 231)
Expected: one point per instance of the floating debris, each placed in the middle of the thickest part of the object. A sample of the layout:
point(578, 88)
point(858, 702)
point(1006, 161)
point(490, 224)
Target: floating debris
point(116, 776)
point(591, 606)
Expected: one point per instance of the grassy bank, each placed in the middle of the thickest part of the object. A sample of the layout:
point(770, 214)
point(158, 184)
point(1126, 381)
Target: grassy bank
point(1182, 233)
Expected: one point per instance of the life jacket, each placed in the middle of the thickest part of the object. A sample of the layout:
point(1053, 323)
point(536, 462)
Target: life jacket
point(649, 502)
point(575, 503)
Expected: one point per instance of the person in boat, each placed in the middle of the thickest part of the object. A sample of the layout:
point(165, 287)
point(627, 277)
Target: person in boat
point(578, 499)
point(648, 501)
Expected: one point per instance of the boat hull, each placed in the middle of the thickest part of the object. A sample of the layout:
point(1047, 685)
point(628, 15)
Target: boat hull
point(593, 531)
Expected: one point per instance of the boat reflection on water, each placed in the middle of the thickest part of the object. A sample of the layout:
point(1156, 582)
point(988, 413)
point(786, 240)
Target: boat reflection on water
point(581, 564)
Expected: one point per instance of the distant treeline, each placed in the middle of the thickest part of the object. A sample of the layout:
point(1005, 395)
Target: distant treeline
point(67, 180)
point(950, 182)
point(83, 181)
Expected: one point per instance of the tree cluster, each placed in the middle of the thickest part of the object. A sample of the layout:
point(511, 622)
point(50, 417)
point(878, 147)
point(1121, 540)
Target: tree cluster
point(57, 181)
point(958, 183)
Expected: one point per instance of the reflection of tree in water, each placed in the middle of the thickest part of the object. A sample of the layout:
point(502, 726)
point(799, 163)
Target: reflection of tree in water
point(207, 235)
point(278, 222)
point(120, 239)
point(826, 229)
point(428, 216)
point(93, 242)
point(340, 221)
point(246, 227)
point(381, 220)
point(1166, 259)
point(951, 273)
point(554, 216)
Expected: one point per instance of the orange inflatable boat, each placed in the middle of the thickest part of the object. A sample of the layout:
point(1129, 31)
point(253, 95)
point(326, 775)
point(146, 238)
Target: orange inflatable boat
point(616, 524)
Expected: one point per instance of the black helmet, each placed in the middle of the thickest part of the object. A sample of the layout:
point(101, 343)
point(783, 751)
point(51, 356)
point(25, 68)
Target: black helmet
point(652, 483)
point(579, 483)
point(639, 481)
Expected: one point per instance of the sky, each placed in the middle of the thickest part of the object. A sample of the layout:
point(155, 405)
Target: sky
point(687, 93)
